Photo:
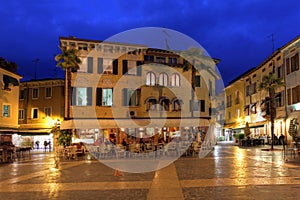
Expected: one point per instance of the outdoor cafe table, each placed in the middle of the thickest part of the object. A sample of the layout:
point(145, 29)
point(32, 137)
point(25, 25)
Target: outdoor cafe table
point(252, 142)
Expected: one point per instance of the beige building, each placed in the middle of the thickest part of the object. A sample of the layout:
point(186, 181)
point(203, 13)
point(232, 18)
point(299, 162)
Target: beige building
point(292, 79)
point(284, 62)
point(132, 91)
point(41, 107)
point(9, 93)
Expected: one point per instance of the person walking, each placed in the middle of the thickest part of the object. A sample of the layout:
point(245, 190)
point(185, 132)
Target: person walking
point(45, 144)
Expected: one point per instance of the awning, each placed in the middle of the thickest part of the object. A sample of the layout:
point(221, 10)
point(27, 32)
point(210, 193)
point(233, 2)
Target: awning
point(257, 125)
point(44, 131)
point(132, 123)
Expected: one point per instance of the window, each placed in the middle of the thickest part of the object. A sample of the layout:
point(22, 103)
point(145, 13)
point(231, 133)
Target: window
point(82, 96)
point(228, 102)
point(83, 67)
point(202, 105)
point(35, 93)
point(104, 97)
point(253, 88)
point(172, 60)
point(197, 81)
point(48, 92)
point(295, 62)
point(35, 113)
point(177, 104)
point(279, 74)
point(131, 97)
point(21, 114)
point(151, 104)
point(48, 112)
point(6, 111)
point(296, 94)
point(107, 66)
point(195, 105)
point(237, 97)
point(248, 90)
point(164, 104)
point(160, 59)
point(279, 99)
point(229, 115)
point(150, 78)
point(132, 67)
point(238, 113)
point(175, 80)
point(22, 94)
point(148, 58)
point(163, 79)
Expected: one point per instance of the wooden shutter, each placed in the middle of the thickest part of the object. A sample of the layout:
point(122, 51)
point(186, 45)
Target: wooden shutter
point(125, 66)
point(287, 66)
point(115, 67)
point(125, 101)
point(90, 64)
point(99, 97)
point(139, 68)
point(297, 61)
point(89, 96)
point(202, 104)
point(197, 81)
point(73, 96)
point(100, 65)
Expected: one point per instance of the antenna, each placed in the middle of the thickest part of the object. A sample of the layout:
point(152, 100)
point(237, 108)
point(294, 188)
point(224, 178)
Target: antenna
point(35, 67)
point(272, 38)
point(166, 38)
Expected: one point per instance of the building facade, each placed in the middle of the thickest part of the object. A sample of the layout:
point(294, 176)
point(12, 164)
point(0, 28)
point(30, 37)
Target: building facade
point(9, 93)
point(125, 91)
point(41, 107)
point(284, 63)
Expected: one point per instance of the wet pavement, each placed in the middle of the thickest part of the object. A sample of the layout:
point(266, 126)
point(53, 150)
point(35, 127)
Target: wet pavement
point(228, 172)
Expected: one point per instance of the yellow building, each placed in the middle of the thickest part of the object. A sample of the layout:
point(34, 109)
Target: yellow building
point(235, 103)
point(284, 62)
point(132, 91)
point(9, 93)
point(41, 107)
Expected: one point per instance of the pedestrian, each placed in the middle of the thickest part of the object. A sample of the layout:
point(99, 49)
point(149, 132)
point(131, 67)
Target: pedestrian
point(37, 143)
point(45, 144)
point(49, 144)
point(282, 139)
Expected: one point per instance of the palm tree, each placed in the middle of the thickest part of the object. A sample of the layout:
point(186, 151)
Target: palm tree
point(69, 61)
point(269, 84)
point(195, 60)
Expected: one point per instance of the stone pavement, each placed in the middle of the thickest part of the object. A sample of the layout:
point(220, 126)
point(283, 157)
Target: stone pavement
point(228, 172)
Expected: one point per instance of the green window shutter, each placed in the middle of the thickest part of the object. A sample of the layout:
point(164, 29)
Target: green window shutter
point(125, 101)
point(125, 66)
point(197, 81)
point(115, 67)
point(89, 96)
point(73, 96)
point(100, 65)
point(90, 64)
point(139, 68)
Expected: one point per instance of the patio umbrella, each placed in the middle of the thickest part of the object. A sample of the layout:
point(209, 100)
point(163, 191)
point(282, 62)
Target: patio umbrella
point(209, 141)
point(247, 130)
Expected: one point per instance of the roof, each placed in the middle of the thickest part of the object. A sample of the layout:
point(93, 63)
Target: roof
point(73, 38)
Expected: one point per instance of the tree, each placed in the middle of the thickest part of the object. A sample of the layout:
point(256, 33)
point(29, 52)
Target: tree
point(195, 60)
point(69, 61)
point(269, 84)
